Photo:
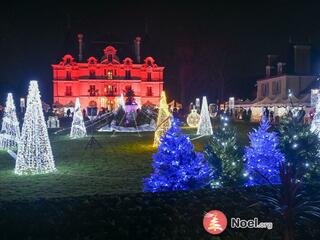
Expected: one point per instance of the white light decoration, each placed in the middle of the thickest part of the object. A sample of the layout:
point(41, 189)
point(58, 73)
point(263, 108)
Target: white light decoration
point(193, 118)
point(78, 129)
point(231, 103)
point(204, 127)
point(163, 120)
point(315, 125)
point(34, 150)
point(10, 130)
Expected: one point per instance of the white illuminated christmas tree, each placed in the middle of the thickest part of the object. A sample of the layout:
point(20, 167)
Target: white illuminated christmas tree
point(34, 150)
point(78, 129)
point(10, 130)
point(315, 125)
point(204, 126)
point(163, 120)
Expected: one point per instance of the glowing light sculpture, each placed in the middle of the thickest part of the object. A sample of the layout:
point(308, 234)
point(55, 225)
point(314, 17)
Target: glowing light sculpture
point(263, 156)
point(176, 165)
point(10, 130)
point(34, 150)
point(163, 120)
point(204, 127)
point(193, 118)
point(315, 125)
point(78, 129)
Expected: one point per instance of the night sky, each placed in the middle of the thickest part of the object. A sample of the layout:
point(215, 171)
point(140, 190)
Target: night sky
point(205, 46)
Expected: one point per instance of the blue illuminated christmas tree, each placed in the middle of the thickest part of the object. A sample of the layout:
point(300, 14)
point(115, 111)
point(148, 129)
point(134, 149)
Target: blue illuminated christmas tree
point(263, 156)
point(176, 165)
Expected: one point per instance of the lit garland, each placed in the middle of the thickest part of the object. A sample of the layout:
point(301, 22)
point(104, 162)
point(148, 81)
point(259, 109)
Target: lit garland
point(204, 126)
point(176, 165)
point(34, 150)
point(163, 120)
point(224, 155)
point(10, 131)
point(193, 118)
point(78, 129)
point(263, 157)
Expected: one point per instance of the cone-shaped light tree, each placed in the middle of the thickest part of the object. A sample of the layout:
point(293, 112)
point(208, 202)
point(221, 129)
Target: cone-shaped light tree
point(34, 150)
point(204, 126)
point(315, 125)
point(163, 120)
point(78, 129)
point(10, 130)
point(176, 165)
point(263, 157)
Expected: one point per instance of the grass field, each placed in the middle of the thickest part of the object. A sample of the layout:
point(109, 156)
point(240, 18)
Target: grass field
point(118, 167)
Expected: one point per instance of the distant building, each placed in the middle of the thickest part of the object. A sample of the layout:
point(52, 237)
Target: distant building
point(100, 83)
point(273, 90)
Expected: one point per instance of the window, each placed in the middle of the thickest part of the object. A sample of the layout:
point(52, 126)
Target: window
point(92, 73)
point(109, 74)
point(276, 88)
point(68, 91)
point(149, 91)
point(109, 57)
point(149, 76)
point(92, 90)
point(128, 74)
point(105, 72)
point(68, 75)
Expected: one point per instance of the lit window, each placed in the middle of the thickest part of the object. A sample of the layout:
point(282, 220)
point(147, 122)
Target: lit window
point(92, 90)
point(109, 74)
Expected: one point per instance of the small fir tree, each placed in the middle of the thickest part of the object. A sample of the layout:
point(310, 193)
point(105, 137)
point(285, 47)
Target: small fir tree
point(10, 130)
point(224, 155)
point(301, 147)
point(263, 157)
point(78, 129)
point(130, 97)
point(176, 165)
point(34, 150)
point(204, 125)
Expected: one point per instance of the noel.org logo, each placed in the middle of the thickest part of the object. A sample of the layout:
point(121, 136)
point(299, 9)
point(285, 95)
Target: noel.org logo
point(215, 222)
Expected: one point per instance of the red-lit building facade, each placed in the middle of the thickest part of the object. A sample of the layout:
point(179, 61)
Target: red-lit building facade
point(100, 83)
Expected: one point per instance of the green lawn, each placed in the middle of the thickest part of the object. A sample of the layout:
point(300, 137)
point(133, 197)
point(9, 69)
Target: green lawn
point(118, 167)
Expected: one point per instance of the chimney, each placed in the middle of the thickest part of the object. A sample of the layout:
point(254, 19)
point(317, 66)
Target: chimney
point(270, 64)
point(281, 68)
point(137, 42)
point(80, 40)
point(302, 59)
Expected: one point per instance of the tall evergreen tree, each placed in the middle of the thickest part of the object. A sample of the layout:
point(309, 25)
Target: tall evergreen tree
point(224, 155)
point(34, 150)
point(301, 147)
point(263, 156)
point(78, 129)
point(176, 165)
point(10, 130)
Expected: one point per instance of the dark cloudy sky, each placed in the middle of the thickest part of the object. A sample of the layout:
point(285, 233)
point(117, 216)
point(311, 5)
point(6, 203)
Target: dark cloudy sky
point(199, 42)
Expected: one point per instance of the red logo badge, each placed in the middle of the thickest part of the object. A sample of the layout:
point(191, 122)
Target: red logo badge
point(215, 222)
